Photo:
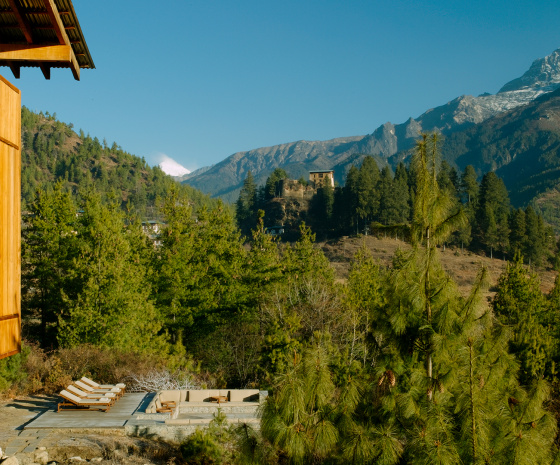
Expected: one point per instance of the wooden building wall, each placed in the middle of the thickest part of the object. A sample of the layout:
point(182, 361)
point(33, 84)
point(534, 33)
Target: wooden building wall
point(10, 219)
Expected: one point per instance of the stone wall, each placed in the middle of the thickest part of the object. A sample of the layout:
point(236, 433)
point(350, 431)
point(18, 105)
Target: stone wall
point(295, 190)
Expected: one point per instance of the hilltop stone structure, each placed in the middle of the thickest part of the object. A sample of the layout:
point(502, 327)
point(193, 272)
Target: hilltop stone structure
point(292, 189)
point(319, 177)
point(295, 190)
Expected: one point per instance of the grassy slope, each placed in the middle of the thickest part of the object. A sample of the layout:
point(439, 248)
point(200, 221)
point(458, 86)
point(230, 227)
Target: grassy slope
point(461, 266)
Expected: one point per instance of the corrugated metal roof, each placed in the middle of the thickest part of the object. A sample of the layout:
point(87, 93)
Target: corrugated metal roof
point(33, 25)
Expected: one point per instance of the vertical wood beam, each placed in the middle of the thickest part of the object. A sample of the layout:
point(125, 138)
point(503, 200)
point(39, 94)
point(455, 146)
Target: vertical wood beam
point(10, 219)
point(46, 69)
point(15, 70)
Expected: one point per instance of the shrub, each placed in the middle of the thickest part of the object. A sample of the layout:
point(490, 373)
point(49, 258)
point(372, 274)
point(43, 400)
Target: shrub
point(200, 448)
point(36, 371)
point(11, 372)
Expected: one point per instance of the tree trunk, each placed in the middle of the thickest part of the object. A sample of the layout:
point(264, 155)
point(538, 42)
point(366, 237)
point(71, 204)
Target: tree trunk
point(473, 421)
point(428, 312)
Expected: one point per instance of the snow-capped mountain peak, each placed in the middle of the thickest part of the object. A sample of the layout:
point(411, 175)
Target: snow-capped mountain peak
point(172, 168)
point(544, 72)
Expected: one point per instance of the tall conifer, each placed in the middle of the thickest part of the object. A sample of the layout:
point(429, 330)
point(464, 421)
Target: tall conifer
point(246, 205)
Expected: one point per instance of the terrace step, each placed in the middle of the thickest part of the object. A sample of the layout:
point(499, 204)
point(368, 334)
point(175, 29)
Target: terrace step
point(211, 408)
point(206, 418)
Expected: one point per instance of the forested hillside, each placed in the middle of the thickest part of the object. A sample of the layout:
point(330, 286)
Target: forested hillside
point(523, 147)
point(52, 151)
point(394, 365)
point(374, 201)
point(391, 143)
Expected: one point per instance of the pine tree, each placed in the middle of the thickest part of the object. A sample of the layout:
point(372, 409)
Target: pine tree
point(469, 186)
point(112, 306)
point(419, 300)
point(321, 208)
point(341, 217)
point(300, 418)
point(246, 205)
point(218, 296)
point(412, 336)
point(387, 212)
point(401, 195)
point(534, 248)
point(48, 250)
point(273, 183)
point(367, 195)
point(518, 234)
point(487, 223)
point(365, 293)
point(264, 268)
point(520, 304)
point(174, 277)
point(492, 230)
point(450, 371)
point(448, 179)
point(302, 302)
point(348, 206)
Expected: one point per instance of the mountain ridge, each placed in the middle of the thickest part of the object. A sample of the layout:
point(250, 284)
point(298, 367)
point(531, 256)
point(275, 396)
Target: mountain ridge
point(543, 70)
point(225, 178)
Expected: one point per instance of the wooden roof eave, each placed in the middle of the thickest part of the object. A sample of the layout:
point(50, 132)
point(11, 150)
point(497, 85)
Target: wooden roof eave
point(82, 40)
point(22, 20)
point(62, 36)
point(42, 52)
point(41, 56)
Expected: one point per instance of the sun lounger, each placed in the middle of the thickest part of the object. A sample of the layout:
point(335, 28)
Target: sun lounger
point(86, 395)
point(84, 387)
point(75, 403)
point(94, 385)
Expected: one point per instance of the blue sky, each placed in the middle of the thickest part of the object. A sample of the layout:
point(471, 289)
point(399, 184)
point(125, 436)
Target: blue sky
point(200, 80)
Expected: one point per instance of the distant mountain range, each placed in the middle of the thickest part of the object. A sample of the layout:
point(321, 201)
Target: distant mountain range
point(523, 147)
point(390, 142)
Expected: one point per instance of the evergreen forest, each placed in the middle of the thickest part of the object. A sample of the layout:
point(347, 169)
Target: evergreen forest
point(53, 152)
point(392, 366)
point(374, 201)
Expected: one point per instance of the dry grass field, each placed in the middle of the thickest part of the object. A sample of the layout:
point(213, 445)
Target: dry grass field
point(462, 266)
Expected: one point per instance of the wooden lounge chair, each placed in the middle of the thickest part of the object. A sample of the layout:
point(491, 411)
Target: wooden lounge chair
point(94, 385)
point(85, 395)
point(164, 407)
point(86, 388)
point(73, 402)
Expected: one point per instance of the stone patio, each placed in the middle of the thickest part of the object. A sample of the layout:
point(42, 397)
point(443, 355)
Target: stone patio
point(129, 417)
point(117, 417)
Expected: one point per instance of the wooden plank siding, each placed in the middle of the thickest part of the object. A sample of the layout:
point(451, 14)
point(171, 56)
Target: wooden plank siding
point(10, 219)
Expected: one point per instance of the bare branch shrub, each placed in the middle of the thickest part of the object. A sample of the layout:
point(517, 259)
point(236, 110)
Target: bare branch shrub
point(50, 372)
point(160, 380)
point(315, 302)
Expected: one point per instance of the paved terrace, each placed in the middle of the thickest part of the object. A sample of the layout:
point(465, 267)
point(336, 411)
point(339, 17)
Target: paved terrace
point(129, 416)
point(122, 413)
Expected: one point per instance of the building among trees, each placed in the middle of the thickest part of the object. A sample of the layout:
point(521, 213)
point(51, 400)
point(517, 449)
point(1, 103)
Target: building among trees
point(319, 177)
